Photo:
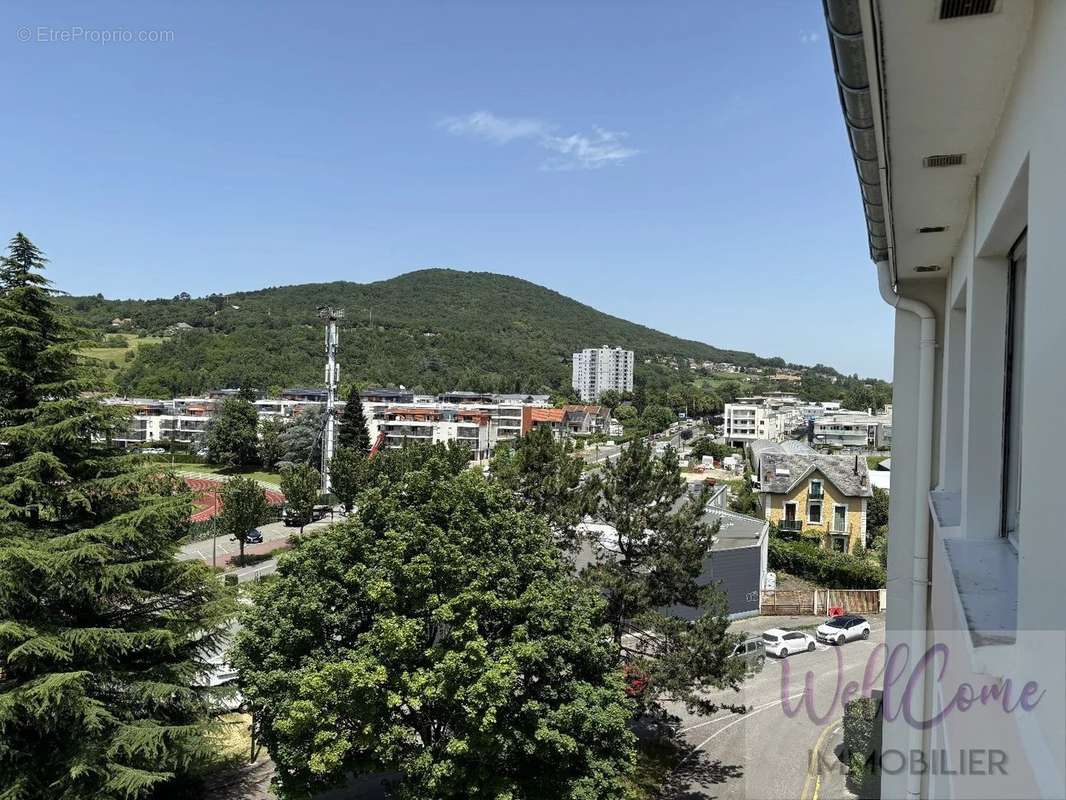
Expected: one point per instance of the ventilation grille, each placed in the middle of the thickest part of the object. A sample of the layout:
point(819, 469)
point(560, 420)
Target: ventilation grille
point(927, 268)
point(933, 229)
point(953, 9)
point(949, 160)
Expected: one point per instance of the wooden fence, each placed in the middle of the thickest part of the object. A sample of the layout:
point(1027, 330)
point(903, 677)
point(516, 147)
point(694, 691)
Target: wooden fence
point(798, 602)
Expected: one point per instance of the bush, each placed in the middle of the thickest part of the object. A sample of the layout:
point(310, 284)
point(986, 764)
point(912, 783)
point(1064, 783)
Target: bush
point(826, 568)
point(862, 745)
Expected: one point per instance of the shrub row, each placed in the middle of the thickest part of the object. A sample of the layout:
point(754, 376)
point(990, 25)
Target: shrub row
point(826, 568)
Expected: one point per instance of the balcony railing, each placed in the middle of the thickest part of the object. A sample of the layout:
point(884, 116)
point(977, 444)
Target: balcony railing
point(794, 525)
point(840, 528)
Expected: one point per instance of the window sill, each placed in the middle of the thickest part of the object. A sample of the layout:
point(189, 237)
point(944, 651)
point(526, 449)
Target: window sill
point(984, 574)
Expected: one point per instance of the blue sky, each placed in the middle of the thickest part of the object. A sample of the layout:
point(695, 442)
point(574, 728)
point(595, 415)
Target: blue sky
point(683, 165)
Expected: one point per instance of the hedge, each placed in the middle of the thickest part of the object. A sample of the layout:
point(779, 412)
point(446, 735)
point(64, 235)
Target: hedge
point(862, 745)
point(826, 568)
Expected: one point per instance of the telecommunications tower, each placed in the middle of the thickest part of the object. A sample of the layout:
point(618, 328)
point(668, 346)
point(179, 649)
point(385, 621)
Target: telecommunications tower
point(330, 317)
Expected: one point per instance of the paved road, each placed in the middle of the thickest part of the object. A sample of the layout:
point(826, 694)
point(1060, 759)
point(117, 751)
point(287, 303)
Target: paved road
point(766, 754)
point(275, 536)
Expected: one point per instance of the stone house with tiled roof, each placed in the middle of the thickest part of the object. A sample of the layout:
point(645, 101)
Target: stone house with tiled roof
point(821, 494)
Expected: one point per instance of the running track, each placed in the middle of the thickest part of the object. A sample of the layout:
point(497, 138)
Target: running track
point(206, 504)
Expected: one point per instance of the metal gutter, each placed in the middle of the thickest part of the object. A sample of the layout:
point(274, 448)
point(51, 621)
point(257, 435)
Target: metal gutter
point(844, 24)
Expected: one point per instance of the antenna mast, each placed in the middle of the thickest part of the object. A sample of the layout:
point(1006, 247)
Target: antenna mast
point(330, 317)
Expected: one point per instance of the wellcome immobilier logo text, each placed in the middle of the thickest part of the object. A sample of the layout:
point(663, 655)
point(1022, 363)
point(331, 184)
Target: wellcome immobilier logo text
point(940, 712)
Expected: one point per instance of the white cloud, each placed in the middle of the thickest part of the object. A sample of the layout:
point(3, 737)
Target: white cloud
point(598, 149)
point(488, 126)
point(578, 151)
point(809, 37)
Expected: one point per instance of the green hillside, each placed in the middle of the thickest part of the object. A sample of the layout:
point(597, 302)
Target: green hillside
point(435, 329)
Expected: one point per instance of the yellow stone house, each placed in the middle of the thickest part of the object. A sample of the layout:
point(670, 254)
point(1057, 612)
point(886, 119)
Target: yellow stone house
point(817, 493)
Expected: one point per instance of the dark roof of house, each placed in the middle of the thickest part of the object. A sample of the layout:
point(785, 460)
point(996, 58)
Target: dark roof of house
point(779, 473)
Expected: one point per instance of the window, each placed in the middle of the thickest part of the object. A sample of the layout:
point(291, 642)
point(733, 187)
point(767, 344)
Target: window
point(814, 513)
point(816, 489)
point(1013, 385)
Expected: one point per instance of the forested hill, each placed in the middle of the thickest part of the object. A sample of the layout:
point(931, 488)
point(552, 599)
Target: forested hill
point(436, 329)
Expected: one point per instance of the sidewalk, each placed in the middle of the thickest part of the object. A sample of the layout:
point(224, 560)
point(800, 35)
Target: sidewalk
point(762, 623)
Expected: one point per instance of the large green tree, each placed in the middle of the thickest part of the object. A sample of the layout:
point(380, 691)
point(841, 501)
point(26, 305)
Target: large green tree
point(233, 434)
point(439, 635)
point(301, 485)
point(244, 506)
point(546, 474)
point(301, 441)
point(105, 637)
point(271, 450)
point(346, 473)
point(353, 432)
point(650, 564)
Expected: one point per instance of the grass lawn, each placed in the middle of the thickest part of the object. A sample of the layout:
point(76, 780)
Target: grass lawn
point(225, 472)
point(107, 355)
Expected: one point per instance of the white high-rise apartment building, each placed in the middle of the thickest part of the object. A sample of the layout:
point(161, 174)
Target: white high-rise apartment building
point(597, 369)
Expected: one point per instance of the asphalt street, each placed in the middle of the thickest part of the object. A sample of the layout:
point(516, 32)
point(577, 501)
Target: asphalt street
point(767, 753)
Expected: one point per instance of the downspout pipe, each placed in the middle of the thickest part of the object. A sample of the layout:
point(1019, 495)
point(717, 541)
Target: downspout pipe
point(920, 565)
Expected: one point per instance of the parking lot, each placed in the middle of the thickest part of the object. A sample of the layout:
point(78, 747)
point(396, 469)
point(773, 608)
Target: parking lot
point(767, 753)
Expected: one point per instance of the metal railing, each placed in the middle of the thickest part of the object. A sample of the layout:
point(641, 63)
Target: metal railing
point(794, 525)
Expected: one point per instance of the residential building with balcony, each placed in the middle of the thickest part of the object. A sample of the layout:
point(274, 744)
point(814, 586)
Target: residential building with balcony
point(956, 124)
point(551, 418)
point(404, 425)
point(851, 430)
point(824, 494)
point(744, 422)
point(598, 369)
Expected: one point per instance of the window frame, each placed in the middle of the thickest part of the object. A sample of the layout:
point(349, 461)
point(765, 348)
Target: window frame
point(810, 519)
point(1014, 349)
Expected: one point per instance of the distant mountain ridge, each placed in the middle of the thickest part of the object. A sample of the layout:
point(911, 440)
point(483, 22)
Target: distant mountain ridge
point(437, 329)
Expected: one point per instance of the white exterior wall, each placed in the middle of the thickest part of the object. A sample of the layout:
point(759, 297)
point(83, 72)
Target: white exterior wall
point(1021, 185)
point(598, 369)
point(746, 422)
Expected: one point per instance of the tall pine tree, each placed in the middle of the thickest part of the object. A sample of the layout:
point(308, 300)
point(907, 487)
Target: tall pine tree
point(105, 638)
point(353, 433)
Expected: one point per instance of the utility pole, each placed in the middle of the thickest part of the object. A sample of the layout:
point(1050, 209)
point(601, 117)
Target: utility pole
point(330, 317)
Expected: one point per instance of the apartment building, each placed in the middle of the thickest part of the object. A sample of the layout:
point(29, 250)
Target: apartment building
point(751, 419)
point(598, 369)
point(438, 424)
point(956, 121)
point(826, 494)
point(852, 430)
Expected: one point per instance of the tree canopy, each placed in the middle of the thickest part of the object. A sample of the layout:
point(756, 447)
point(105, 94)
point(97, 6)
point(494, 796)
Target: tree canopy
point(105, 637)
point(353, 432)
point(233, 434)
point(652, 563)
point(546, 475)
point(437, 634)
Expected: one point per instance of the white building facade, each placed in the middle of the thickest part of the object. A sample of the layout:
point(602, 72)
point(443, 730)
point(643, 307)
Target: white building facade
point(746, 422)
point(598, 369)
point(956, 119)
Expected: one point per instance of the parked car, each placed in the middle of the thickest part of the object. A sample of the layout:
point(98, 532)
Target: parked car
point(253, 537)
point(844, 628)
point(290, 519)
point(783, 643)
point(751, 652)
point(155, 451)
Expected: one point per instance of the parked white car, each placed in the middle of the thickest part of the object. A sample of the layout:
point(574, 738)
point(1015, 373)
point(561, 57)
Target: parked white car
point(845, 628)
point(783, 643)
